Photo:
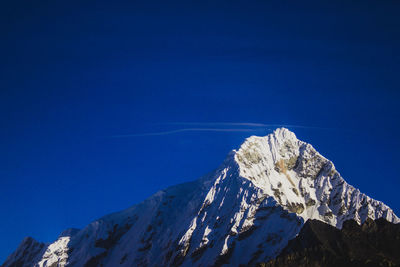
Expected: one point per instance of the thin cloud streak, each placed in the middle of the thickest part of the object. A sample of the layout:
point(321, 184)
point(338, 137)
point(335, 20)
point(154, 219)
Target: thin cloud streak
point(249, 124)
point(259, 126)
point(185, 130)
point(244, 124)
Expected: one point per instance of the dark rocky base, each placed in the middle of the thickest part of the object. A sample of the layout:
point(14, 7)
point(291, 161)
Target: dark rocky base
point(375, 243)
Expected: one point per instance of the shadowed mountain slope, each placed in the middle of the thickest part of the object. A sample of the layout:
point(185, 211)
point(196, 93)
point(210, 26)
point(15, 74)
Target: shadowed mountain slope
point(374, 243)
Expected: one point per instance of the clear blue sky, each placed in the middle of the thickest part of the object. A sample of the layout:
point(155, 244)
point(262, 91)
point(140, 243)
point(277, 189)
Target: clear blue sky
point(75, 73)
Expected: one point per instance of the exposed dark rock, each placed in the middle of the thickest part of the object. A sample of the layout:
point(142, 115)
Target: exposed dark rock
point(95, 261)
point(277, 194)
point(123, 259)
point(246, 232)
point(26, 252)
point(310, 202)
point(295, 191)
point(375, 243)
point(295, 207)
point(113, 236)
point(224, 258)
point(198, 253)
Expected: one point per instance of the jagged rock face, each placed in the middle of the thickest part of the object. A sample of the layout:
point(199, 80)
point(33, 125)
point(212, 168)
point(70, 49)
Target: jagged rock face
point(303, 181)
point(29, 251)
point(375, 243)
point(243, 213)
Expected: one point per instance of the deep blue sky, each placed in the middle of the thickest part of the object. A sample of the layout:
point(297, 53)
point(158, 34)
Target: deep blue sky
point(74, 74)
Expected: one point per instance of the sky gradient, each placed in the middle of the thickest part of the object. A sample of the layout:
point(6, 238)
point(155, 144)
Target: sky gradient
point(83, 85)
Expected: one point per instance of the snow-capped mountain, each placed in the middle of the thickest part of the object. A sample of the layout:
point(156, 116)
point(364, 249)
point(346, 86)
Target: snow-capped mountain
point(244, 212)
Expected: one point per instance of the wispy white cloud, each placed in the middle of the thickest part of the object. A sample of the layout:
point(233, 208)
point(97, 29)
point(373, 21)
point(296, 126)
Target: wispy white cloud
point(219, 124)
point(185, 130)
point(217, 127)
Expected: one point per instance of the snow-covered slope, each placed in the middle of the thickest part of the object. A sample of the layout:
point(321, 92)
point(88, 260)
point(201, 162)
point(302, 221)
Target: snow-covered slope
point(242, 213)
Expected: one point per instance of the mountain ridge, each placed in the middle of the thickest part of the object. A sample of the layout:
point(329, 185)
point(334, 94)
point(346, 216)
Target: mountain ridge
point(244, 212)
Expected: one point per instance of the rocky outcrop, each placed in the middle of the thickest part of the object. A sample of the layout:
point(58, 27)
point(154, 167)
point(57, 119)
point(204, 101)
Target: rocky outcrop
point(28, 251)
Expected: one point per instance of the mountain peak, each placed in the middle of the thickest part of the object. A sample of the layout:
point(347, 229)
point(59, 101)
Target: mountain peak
point(302, 180)
point(284, 133)
point(255, 203)
point(280, 134)
point(264, 154)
